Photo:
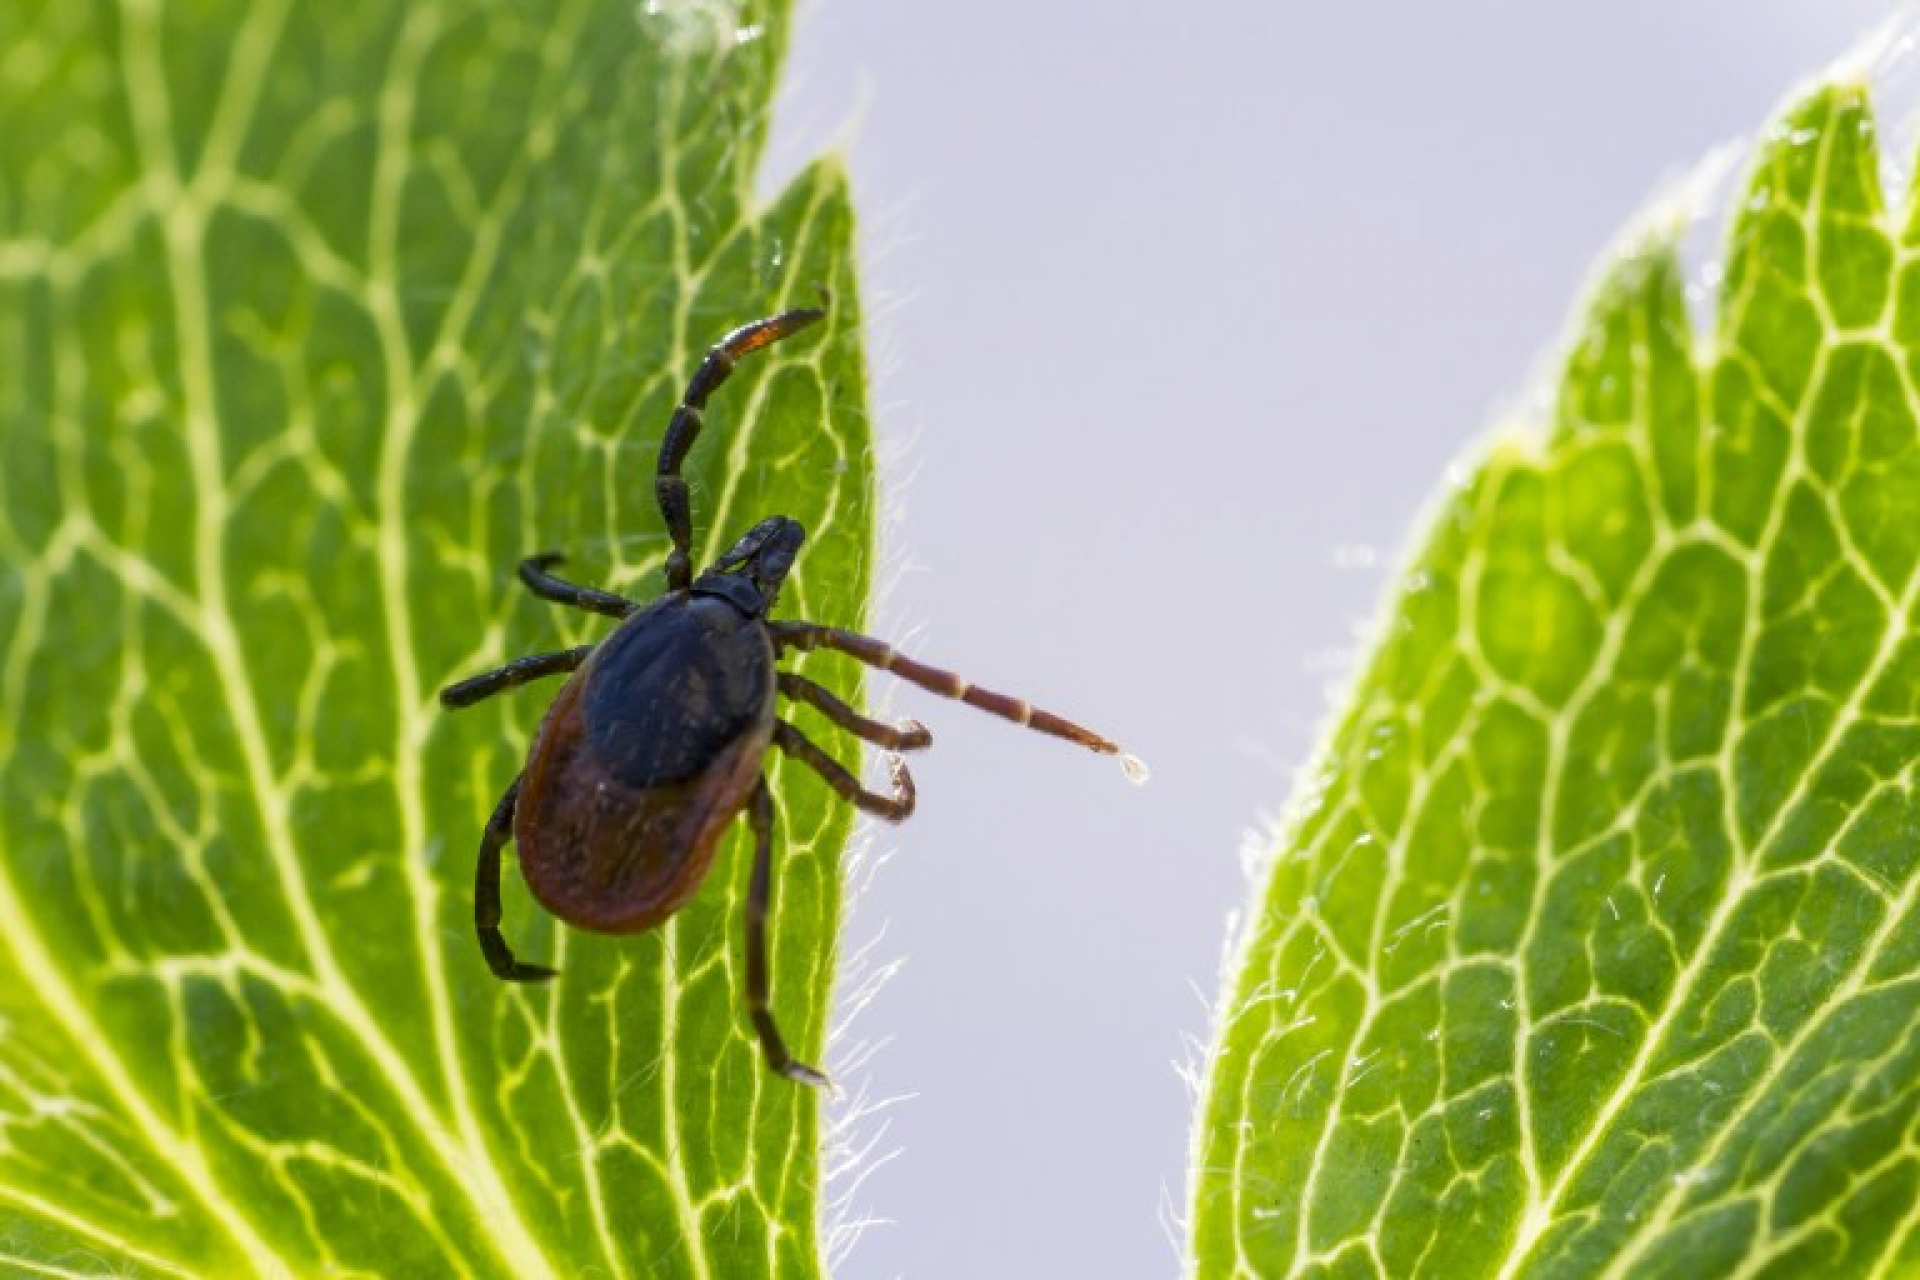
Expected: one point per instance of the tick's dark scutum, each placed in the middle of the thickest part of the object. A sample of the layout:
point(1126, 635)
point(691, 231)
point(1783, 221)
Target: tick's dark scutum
point(674, 686)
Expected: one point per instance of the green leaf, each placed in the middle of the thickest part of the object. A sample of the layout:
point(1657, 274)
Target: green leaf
point(314, 320)
point(1593, 947)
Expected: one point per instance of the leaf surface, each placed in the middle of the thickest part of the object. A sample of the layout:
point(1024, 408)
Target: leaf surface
point(1592, 948)
point(316, 319)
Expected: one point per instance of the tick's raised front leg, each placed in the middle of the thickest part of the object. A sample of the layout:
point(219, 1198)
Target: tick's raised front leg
point(486, 897)
point(759, 902)
point(669, 486)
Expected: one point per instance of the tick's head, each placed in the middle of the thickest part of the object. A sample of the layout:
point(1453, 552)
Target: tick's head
point(750, 573)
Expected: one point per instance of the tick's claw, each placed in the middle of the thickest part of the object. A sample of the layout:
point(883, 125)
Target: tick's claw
point(801, 1073)
point(916, 736)
point(531, 973)
point(904, 795)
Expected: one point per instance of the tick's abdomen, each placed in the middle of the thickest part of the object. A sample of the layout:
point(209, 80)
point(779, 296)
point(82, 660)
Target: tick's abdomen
point(648, 753)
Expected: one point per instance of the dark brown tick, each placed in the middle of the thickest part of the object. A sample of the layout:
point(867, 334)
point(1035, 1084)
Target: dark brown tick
point(656, 741)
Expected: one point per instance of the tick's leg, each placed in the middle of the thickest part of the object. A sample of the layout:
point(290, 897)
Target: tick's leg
point(533, 572)
point(514, 674)
point(908, 736)
point(684, 428)
point(877, 653)
point(486, 897)
point(897, 807)
point(759, 899)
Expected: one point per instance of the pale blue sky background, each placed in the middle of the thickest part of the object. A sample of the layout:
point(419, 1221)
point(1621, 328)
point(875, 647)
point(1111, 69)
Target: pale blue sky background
point(1181, 311)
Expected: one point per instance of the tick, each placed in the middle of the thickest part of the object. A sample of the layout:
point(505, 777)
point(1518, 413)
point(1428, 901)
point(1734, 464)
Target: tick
point(656, 741)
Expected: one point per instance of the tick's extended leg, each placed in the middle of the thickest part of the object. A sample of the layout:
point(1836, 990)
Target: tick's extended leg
point(877, 653)
point(759, 899)
point(668, 484)
point(908, 736)
point(897, 807)
point(486, 897)
point(533, 572)
point(514, 674)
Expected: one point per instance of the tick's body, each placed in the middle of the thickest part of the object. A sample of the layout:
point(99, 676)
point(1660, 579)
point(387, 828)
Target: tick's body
point(655, 743)
point(651, 749)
